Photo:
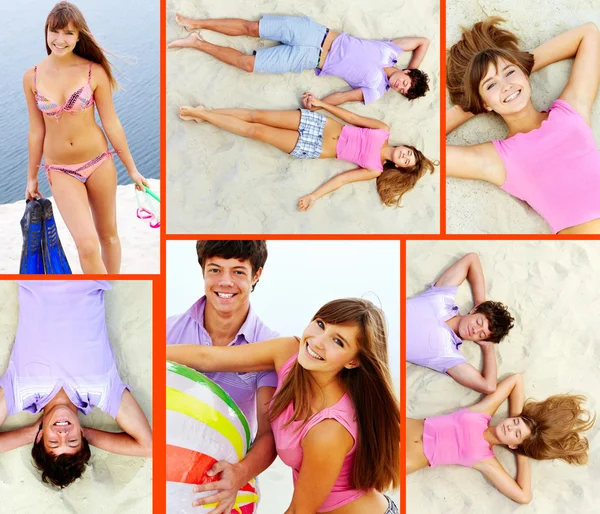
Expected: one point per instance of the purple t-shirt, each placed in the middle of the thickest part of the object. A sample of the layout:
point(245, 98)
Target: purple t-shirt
point(361, 63)
point(62, 342)
point(188, 328)
point(429, 340)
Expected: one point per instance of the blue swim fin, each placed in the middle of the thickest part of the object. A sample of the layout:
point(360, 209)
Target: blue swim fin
point(31, 251)
point(55, 260)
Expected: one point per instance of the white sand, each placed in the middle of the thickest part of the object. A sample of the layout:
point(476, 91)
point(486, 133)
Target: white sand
point(223, 183)
point(475, 207)
point(551, 289)
point(140, 243)
point(112, 483)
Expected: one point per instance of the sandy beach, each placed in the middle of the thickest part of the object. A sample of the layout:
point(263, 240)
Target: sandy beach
point(223, 183)
point(551, 289)
point(140, 243)
point(476, 207)
point(111, 483)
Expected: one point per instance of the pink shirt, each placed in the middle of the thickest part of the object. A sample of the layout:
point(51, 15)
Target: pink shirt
point(555, 168)
point(457, 438)
point(362, 146)
point(288, 441)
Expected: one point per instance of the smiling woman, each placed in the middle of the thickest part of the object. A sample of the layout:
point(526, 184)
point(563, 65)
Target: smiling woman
point(487, 72)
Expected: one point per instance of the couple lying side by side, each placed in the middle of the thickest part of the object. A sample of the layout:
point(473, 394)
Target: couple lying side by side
point(550, 429)
point(324, 402)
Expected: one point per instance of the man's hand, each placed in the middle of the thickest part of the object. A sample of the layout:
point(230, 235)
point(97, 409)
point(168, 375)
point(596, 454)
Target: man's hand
point(230, 482)
point(485, 344)
point(310, 101)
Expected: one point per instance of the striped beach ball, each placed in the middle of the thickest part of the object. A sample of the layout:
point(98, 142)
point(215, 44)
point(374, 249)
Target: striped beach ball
point(204, 425)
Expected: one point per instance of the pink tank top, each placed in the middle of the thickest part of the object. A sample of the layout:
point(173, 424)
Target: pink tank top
point(456, 438)
point(555, 168)
point(288, 441)
point(362, 146)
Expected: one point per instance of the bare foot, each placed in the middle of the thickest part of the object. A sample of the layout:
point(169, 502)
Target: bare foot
point(189, 42)
point(306, 202)
point(191, 113)
point(188, 24)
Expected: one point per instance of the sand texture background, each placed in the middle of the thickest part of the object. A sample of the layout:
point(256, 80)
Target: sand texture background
point(551, 289)
point(111, 483)
point(140, 244)
point(223, 183)
point(476, 207)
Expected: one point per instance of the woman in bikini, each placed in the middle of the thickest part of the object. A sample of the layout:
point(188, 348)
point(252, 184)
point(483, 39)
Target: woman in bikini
point(61, 365)
point(550, 158)
point(545, 430)
point(61, 92)
point(334, 415)
point(305, 134)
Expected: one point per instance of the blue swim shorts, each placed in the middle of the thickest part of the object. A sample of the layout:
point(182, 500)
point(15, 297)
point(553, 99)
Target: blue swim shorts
point(301, 39)
point(310, 142)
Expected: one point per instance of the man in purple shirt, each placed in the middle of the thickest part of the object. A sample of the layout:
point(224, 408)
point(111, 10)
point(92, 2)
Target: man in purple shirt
point(61, 364)
point(435, 329)
point(369, 67)
point(224, 317)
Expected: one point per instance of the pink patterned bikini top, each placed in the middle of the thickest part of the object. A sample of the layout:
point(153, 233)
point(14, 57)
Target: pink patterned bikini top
point(79, 101)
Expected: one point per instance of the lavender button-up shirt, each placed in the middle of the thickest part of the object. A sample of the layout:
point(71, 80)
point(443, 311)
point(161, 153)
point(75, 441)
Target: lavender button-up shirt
point(188, 328)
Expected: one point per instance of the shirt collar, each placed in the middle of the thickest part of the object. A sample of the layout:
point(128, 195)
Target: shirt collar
point(247, 330)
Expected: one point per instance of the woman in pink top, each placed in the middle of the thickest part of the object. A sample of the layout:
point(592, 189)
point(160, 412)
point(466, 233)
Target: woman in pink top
point(309, 135)
point(61, 92)
point(335, 417)
point(550, 158)
point(551, 429)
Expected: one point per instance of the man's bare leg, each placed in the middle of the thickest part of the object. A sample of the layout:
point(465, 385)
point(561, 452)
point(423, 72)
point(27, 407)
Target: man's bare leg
point(228, 26)
point(224, 54)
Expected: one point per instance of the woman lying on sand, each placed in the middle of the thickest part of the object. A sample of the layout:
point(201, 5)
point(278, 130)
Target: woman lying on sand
point(62, 363)
point(309, 135)
point(541, 430)
point(334, 409)
point(550, 158)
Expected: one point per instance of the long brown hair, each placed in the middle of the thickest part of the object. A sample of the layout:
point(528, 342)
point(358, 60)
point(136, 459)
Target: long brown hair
point(64, 13)
point(377, 458)
point(394, 181)
point(470, 58)
point(556, 426)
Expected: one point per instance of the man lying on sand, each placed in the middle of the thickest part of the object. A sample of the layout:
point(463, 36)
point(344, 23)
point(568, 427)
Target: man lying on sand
point(435, 330)
point(61, 364)
point(224, 317)
point(368, 66)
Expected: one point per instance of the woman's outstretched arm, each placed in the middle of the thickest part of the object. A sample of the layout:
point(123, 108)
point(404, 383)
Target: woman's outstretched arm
point(35, 137)
point(310, 101)
point(583, 43)
point(518, 489)
point(510, 388)
point(264, 356)
point(478, 162)
point(455, 117)
point(112, 126)
point(306, 202)
point(136, 438)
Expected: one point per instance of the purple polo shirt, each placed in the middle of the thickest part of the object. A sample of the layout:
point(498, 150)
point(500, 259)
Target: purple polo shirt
point(429, 340)
point(62, 342)
point(188, 328)
point(361, 63)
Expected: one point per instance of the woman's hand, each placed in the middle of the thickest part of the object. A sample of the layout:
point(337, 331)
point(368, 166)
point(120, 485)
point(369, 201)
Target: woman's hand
point(139, 180)
point(31, 191)
point(310, 101)
point(306, 202)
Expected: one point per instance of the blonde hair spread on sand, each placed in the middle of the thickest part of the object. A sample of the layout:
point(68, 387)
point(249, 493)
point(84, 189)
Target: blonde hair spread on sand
point(64, 13)
point(556, 426)
point(394, 182)
point(470, 58)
